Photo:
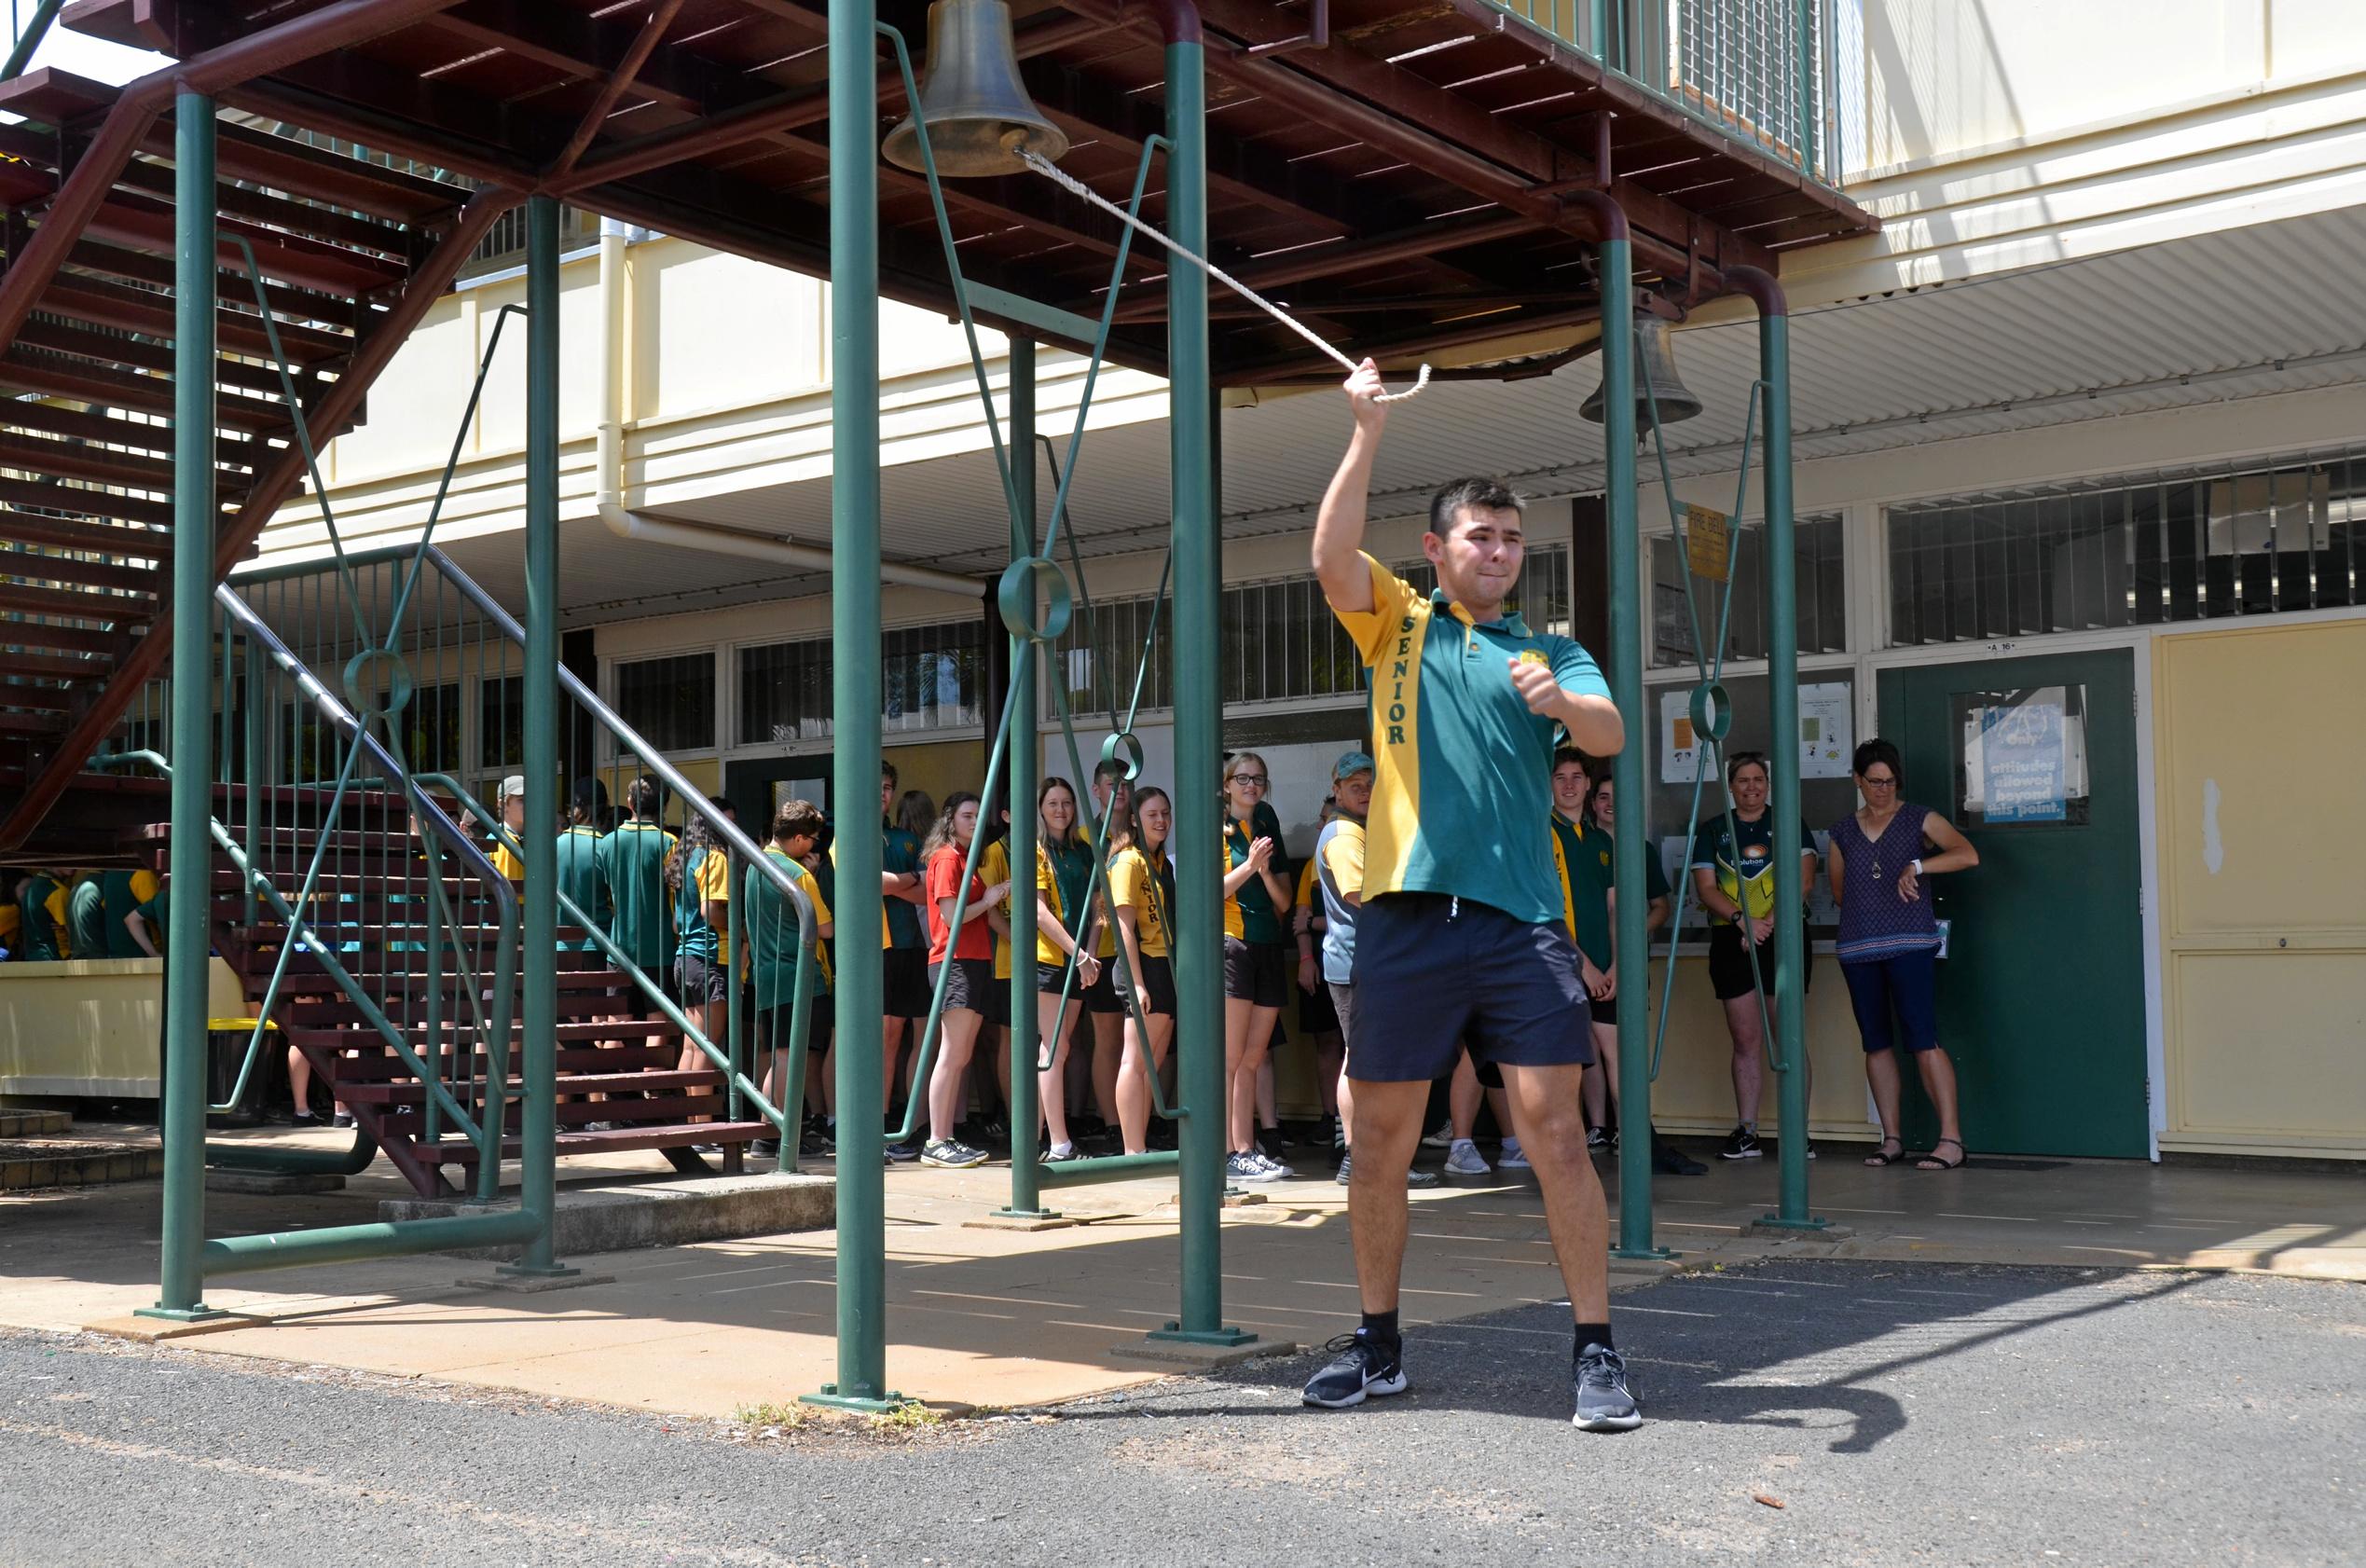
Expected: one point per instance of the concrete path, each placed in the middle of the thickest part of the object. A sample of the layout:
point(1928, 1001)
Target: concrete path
point(984, 1317)
point(1817, 1412)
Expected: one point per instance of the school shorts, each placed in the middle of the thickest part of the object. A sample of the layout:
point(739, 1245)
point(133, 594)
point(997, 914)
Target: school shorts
point(1316, 1015)
point(1101, 996)
point(1343, 1008)
point(1256, 972)
point(700, 980)
point(1903, 986)
point(905, 972)
point(1157, 988)
point(1436, 973)
point(971, 986)
point(1729, 971)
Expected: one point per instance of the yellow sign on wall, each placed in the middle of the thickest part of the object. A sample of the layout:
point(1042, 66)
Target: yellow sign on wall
point(1709, 542)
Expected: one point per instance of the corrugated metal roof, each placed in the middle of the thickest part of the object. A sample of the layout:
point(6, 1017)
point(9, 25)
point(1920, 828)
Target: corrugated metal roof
point(2189, 322)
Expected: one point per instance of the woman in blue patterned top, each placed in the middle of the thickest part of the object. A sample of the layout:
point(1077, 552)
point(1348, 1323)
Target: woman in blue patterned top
point(1882, 858)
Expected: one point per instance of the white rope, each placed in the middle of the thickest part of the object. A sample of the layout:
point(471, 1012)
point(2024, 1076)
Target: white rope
point(1075, 187)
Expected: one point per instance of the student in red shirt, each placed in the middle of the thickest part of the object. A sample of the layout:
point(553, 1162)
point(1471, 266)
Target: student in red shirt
point(966, 958)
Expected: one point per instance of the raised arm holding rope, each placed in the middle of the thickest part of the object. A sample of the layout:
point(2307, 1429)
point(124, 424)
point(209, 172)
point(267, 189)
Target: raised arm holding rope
point(1460, 939)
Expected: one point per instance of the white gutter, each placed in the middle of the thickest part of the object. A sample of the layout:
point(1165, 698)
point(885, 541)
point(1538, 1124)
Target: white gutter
point(609, 448)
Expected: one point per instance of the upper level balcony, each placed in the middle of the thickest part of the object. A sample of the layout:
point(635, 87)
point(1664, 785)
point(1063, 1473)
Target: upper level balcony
point(1412, 177)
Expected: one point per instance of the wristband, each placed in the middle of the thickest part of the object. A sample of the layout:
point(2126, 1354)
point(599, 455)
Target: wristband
point(1917, 865)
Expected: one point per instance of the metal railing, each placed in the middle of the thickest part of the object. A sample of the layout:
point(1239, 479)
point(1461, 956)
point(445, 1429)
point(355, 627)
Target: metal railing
point(459, 730)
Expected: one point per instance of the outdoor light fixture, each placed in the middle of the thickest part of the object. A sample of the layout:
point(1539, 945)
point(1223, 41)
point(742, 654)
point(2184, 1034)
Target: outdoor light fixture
point(976, 108)
point(1655, 370)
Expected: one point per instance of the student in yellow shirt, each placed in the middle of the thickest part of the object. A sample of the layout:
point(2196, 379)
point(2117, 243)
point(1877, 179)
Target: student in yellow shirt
point(1142, 896)
point(511, 806)
point(1063, 925)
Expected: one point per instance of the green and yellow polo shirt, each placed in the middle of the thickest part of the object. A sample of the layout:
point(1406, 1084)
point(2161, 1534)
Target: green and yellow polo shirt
point(1582, 856)
point(1462, 799)
point(579, 879)
point(632, 862)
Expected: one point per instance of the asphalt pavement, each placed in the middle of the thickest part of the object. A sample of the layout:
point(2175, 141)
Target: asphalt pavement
point(1817, 1412)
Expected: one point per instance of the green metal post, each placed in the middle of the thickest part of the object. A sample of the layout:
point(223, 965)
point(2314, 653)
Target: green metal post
point(181, 1278)
point(856, 698)
point(1026, 772)
point(538, 1140)
point(1789, 1049)
point(1199, 981)
point(1629, 841)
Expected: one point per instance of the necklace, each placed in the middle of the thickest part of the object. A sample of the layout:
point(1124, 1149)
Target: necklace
point(1875, 838)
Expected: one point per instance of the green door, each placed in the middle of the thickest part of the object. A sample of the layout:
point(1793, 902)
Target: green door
point(2042, 993)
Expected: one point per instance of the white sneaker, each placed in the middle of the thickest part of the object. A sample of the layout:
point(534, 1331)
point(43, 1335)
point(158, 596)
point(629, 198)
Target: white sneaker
point(1511, 1159)
point(1463, 1158)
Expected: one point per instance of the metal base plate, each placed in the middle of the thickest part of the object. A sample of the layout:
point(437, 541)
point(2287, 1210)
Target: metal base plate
point(831, 1399)
point(1816, 1225)
point(1231, 1334)
point(1644, 1254)
point(533, 1271)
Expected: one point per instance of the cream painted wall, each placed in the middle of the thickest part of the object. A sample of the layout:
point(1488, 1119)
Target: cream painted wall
point(91, 1026)
point(2260, 746)
point(1695, 1091)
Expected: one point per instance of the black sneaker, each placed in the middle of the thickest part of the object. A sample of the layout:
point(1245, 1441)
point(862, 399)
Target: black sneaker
point(1415, 1177)
point(816, 1145)
point(903, 1153)
point(1271, 1144)
point(1597, 1141)
point(342, 1119)
point(1364, 1367)
point(951, 1154)
point(1599, 1385)
point(1668, 1160)
point(765, 1149)
point(1741, 1144)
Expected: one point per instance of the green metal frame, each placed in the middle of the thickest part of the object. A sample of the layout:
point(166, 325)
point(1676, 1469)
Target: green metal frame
point(181, 1282)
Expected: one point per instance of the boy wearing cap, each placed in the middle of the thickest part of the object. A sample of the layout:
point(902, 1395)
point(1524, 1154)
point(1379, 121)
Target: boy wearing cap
point(1459, 938)
point(511, 806)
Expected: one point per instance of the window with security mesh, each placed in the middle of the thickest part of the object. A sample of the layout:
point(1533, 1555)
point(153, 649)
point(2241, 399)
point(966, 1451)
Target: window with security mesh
point(670, 701)
point(1817, 572)
point(2138, 550)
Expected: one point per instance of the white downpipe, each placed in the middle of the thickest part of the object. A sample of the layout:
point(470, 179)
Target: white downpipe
point(610, 452)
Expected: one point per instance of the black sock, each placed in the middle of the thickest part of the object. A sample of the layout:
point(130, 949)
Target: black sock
point(1381, 1326)
point(1591, 1334)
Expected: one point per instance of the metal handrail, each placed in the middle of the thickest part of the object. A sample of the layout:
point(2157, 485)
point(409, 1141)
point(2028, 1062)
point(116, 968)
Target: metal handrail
point(485, 1131)
point(734, 839)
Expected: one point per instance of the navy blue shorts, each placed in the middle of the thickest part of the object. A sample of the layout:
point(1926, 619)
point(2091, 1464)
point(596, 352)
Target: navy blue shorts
point(1906, 985)
point(1434, 973)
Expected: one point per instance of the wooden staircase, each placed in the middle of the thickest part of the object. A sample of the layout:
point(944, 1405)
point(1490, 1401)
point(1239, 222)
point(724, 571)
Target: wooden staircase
point(370, 906)
point(353, 252)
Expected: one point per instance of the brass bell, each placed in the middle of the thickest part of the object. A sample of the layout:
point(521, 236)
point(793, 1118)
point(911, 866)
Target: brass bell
point(1655, 369)
point(977, 109)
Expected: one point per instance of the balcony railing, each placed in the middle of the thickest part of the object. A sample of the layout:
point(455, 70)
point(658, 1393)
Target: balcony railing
point(1758, 71)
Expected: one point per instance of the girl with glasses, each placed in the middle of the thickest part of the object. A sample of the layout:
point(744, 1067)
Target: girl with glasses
point(1256, 958)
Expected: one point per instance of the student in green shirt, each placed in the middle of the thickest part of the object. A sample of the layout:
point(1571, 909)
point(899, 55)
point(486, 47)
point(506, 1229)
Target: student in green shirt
point(41, 906)
point(87, 916)
point(579, 877)
point(145, 925)
point(632, 867)
point(124, 891)
point(772, 942)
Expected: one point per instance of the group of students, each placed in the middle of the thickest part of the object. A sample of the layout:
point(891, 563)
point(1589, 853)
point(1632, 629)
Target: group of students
point(49, 916)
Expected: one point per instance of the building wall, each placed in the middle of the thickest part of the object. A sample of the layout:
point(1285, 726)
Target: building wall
point(2262, 740)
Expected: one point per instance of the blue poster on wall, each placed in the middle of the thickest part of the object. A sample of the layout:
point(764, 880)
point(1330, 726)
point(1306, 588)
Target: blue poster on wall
point(2021, 763)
